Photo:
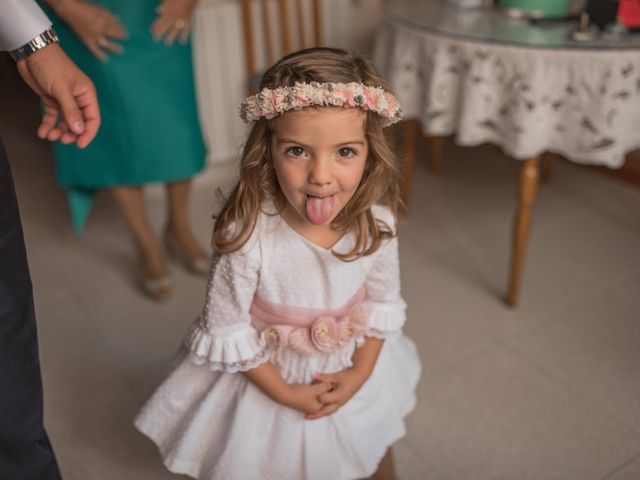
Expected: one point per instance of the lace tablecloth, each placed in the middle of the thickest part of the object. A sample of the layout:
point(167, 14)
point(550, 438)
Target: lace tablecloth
point(581, 103)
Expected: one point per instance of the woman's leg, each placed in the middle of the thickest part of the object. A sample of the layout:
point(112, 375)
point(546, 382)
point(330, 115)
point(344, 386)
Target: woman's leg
point(179, 234)
point(131, 202)
point(385, 469)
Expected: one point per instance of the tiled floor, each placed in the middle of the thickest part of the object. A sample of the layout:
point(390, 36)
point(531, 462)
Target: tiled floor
point(550, 390)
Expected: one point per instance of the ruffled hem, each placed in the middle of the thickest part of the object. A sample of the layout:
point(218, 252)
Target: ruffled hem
point(382, 335)
point(385, 321)
point(238, 352)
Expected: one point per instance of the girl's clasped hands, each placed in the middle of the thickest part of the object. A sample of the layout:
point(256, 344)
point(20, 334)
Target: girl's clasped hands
point(327, 393)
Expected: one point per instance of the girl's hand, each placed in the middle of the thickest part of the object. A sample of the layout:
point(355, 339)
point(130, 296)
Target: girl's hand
point(95, 26)
point(305, 398)
point(344, 385)
point(173, 21)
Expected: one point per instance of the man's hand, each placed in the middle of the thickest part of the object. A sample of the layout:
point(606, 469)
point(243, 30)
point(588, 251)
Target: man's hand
point(71, 112)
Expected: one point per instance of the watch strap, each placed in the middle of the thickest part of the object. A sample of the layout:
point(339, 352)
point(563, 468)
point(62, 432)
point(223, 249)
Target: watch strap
point(47, 37)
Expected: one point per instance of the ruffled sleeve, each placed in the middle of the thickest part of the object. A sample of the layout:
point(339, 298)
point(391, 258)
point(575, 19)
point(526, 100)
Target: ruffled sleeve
point(223, 336)
point(383, 303)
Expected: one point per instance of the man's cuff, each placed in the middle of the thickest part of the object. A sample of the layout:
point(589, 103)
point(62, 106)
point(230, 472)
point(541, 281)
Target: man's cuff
point(20, 21)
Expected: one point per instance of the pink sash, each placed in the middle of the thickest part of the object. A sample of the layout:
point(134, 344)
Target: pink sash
point(309, 331)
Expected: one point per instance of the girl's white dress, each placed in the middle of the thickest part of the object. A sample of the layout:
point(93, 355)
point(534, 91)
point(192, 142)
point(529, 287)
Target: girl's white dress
point(210, 422)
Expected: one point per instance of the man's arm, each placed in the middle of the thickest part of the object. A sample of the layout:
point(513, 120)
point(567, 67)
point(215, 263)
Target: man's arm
point(71, 112)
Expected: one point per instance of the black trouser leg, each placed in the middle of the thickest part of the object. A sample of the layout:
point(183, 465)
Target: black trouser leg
point(25, 452)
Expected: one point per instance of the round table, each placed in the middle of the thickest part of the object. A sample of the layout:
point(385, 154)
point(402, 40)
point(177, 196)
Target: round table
point(527, 87)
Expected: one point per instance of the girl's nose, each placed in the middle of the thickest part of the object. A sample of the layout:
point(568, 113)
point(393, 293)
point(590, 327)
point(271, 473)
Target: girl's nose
point(320, 172)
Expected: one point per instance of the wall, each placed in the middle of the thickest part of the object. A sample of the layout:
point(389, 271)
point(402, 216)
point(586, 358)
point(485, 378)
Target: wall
point(219, 62)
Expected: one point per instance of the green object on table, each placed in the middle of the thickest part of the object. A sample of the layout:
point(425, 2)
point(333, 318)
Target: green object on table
point(150, 130)
point(548, 8)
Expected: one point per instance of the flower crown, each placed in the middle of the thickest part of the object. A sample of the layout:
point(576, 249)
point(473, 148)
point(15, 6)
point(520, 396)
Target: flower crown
point(270, 103)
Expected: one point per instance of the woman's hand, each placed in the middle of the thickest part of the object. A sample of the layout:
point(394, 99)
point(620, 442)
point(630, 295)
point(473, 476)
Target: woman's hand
point(95, 26)
point(344, 385)
point(173, 21)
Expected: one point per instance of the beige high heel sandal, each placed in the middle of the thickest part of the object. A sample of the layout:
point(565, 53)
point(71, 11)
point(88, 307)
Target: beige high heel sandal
point(199, 266)
point(159, 289)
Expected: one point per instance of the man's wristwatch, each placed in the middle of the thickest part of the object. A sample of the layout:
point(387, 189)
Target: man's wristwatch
point(47, 37)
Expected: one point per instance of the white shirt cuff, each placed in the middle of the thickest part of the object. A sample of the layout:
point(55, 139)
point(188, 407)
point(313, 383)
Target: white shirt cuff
point(20, 22)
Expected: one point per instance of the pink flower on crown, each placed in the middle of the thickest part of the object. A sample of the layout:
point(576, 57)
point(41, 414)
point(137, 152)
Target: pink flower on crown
point(375, 97)
point(347, 94)
point(315, 94)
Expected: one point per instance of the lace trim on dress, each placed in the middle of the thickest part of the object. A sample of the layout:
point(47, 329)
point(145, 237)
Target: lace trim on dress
point(233, 367)
point(241, 350)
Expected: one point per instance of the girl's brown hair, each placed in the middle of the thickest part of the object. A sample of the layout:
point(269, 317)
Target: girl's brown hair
point(380, 180)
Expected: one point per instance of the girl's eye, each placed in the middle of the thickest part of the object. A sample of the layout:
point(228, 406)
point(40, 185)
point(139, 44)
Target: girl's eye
point(295, 151)
point(347, 152)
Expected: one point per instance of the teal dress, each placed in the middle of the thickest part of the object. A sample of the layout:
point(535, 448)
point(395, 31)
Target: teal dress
point(149, 131)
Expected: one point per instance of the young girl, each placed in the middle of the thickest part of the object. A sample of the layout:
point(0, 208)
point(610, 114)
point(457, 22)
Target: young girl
point(297, 367)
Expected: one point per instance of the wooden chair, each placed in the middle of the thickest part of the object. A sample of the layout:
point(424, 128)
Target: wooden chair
point(410, 135)
point(279, 31)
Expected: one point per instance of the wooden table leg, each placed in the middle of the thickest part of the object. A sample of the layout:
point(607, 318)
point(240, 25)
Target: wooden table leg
point(549, 160)
point(409, 137)
point(527, 190)
point(436, 153)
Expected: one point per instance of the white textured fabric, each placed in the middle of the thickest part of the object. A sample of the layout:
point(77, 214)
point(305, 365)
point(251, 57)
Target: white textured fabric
point(20, 22)
point(211, 423)
point(581, 103)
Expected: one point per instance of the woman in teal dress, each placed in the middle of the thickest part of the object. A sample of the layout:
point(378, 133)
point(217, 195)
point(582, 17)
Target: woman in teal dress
point(137, 53)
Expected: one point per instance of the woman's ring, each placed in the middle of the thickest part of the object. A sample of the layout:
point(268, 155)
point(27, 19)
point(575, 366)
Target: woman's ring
point(102, 41)
point(180, 24)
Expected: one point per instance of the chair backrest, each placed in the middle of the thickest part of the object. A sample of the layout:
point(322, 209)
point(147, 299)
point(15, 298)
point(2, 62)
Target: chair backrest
point(271, 31)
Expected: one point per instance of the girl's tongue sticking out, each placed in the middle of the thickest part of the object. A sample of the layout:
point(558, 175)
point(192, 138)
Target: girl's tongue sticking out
point(319, 209)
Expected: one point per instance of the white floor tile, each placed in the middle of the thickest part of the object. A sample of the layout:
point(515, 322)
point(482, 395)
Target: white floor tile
point(629, 471)
point(498, 417)
point(593, 349)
